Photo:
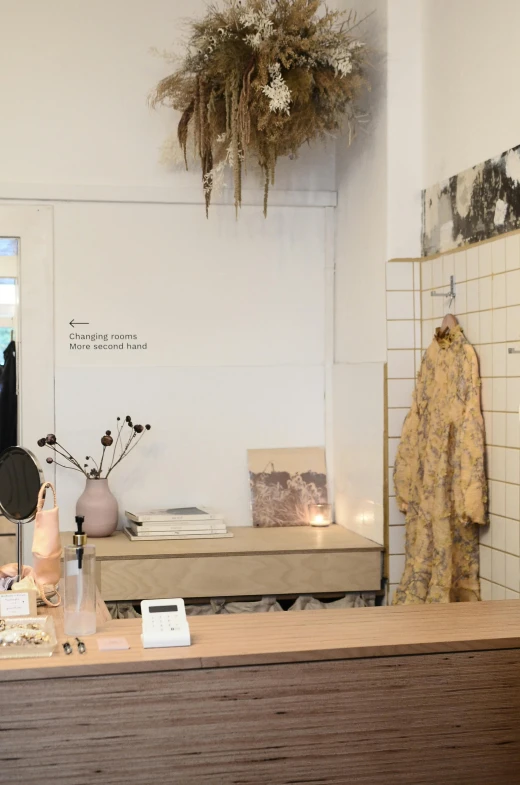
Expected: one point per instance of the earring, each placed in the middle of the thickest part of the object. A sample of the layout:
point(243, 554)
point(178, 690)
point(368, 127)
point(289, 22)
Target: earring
point(81, 646)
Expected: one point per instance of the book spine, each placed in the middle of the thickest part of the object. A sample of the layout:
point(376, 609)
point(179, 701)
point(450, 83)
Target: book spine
point(184, 536)
point(171, 518)
point(172, 531)
point(186, 526)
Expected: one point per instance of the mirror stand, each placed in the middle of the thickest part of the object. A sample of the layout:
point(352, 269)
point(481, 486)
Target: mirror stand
point(19, 549)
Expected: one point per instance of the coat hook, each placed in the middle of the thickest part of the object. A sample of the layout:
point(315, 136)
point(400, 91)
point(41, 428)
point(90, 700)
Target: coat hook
point(513, 351)
point(450, 294)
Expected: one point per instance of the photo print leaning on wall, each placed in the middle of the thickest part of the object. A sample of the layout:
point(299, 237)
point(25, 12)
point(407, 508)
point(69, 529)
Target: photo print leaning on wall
point(284, 482)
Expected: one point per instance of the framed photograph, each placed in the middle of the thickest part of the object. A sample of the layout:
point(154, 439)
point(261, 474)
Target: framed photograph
point(284, 482)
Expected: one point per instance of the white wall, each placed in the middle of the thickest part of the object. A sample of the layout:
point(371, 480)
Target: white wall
point(233, 311)
point(75, 81)
point(361, 214)
point(379, 199)
point(378, 217)
point(359, 447)
point(471, 59)
point(405, 132)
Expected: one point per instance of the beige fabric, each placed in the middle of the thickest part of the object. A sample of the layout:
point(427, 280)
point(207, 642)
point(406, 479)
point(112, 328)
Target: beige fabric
point(308, 603)
point(221, 607)
point(440, 476)
point(122, 610)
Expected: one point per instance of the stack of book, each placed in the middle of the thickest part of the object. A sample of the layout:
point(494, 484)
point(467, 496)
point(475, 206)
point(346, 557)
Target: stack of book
point(178, 523)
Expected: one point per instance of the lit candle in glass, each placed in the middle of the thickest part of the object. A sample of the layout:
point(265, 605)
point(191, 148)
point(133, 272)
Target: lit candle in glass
point(320, 514)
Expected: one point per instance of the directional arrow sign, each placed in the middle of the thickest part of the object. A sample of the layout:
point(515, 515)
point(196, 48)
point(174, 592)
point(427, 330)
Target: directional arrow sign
point(75, 324)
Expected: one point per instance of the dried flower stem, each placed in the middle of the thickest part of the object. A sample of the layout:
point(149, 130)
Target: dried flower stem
point(106, 440)
point(101, 462)
point(135, 443)
point(68, 457)
point(124, 453)
point(72, 468)
point(118, 442)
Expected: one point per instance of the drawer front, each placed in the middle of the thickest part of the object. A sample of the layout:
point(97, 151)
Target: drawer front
point(228, 576)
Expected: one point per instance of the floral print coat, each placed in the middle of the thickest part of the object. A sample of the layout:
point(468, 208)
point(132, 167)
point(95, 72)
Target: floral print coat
point(440, 476)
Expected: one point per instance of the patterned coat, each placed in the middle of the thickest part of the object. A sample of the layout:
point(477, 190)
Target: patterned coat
point(440, 476)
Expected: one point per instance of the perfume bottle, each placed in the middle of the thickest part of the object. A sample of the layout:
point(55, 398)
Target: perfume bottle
point(79, 567)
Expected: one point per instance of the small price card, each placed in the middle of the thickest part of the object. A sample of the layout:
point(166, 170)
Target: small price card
point(112, 644)
point(14, 603)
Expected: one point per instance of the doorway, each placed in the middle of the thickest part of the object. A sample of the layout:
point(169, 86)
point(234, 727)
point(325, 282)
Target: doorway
point(27, 316)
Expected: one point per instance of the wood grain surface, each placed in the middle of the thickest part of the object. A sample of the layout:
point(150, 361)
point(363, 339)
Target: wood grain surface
point(240, 575)
point(301, 636)
point(246, 540)
point(255, 562)
point(418, 720)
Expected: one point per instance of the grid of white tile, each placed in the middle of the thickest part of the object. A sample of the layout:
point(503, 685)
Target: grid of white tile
point(403, 283)
point(487, 304)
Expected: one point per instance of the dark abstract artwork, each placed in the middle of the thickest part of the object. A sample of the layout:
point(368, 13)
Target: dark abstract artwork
point(474, 205)
point(284, 482)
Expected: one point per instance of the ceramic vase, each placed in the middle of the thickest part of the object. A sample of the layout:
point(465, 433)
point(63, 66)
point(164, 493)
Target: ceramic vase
point(98, 505)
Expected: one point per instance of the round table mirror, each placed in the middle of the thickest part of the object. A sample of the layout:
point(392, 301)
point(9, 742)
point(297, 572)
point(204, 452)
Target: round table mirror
point(21, 478)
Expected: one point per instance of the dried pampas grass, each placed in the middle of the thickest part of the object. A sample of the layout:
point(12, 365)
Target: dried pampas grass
point(259, 79)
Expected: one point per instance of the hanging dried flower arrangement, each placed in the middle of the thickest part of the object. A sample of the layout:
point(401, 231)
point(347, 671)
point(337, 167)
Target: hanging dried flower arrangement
point(260, 78)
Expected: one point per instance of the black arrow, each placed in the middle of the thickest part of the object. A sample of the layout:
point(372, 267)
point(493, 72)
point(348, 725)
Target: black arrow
point(74, 324)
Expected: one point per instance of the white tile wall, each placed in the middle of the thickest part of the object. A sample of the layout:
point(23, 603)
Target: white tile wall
point(400, 392)
point(401, 364)
point(404, 308)
point(401, 335)
point(400, 305)
point(399, 277)
point(487, 282)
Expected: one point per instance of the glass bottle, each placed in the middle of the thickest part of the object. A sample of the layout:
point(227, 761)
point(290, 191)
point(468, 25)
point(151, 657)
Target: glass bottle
point(79, 570)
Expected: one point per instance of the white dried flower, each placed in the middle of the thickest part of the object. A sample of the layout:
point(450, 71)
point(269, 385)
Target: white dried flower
point(339, 57)
point(277, 91)
point(213, 181)
point(260, 23)
point(254, 41)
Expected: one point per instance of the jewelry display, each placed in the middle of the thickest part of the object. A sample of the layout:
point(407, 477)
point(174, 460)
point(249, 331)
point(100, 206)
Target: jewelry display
point(16, 634)
point(33, 636)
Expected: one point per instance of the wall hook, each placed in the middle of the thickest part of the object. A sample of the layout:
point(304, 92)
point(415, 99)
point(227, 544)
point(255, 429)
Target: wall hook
point(513, 351)
point(451, 294)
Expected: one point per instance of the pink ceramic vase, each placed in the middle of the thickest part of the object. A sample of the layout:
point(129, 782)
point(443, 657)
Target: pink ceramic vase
point(98, 505)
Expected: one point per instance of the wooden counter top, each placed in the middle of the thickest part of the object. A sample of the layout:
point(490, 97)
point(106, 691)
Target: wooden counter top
point(304, 636)
point(246, 540)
